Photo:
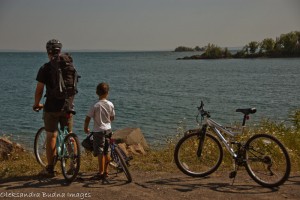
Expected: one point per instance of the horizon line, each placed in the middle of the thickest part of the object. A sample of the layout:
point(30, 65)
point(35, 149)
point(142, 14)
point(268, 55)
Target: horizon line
point(101, 50)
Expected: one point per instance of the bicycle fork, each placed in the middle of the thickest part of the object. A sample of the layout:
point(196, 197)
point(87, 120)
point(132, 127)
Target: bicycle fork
point(201, 136)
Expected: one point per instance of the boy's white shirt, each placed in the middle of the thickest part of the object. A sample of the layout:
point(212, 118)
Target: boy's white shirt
point(101, 112)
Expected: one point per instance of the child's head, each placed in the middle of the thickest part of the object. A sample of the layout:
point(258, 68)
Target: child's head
point(102, 89)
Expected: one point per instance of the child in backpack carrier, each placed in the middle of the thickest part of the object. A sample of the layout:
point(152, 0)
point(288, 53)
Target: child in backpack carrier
point(102, 112)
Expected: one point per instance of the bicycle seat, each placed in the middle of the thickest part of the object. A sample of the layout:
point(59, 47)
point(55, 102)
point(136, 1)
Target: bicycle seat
point(246, 111)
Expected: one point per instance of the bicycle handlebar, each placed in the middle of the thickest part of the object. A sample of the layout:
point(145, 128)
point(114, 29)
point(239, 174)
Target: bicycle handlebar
point(205, 113)
point(202, 111)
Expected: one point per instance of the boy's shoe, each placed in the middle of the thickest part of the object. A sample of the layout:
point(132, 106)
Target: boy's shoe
point(48, 172)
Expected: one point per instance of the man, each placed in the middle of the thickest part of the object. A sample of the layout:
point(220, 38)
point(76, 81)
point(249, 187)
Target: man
point(53, 108)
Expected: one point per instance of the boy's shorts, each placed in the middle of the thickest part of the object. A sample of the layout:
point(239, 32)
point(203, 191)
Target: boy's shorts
point(51, 120)
point(100, 143)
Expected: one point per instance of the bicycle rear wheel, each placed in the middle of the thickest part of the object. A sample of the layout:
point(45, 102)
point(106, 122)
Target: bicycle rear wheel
point(188, 162)
point(40, 147)
point(268, 162)
point(119, 159)
point(70, 161)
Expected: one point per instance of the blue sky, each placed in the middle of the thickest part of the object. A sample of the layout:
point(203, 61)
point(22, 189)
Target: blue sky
point(143, 24)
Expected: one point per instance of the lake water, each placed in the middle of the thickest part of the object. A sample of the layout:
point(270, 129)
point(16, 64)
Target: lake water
point(153, 90)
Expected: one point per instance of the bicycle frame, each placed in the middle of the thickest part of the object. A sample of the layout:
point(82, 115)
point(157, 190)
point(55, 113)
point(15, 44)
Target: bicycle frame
point(217, 128)
point(112, 146)
point(59, 142)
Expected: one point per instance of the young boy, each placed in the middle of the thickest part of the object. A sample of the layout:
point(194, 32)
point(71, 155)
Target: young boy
point(102, 113)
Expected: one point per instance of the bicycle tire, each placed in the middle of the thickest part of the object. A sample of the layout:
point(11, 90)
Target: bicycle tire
point(186, 159)
point(267, 160)
point(40, 147)
point(123, 164)
point(70, 160)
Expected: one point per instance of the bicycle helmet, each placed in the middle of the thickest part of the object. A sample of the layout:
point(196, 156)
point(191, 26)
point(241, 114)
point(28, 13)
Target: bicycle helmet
point(53, 46)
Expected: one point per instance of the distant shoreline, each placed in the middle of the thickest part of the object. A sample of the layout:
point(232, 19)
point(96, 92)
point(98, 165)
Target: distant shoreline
point(200, 57)
point(284, 46)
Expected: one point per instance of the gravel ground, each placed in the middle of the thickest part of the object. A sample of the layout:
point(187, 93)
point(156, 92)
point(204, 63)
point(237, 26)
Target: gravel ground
point(148, 185)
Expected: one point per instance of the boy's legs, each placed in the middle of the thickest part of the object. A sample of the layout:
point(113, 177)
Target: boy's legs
point(98, 145)
point(102, 164)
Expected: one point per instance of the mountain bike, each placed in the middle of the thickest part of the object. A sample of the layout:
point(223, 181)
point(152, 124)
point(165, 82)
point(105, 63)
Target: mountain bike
point(199, 152)
point(119, 160)
point(67, 151)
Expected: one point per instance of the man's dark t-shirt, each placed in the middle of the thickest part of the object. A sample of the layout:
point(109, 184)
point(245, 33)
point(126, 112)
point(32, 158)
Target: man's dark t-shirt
point(43, 76)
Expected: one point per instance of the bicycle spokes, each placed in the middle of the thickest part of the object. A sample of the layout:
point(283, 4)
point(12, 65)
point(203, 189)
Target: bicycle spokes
point(70, 157)
point(186, 155)
point(267, 160)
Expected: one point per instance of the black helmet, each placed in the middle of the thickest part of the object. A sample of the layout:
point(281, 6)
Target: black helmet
point(53, 46)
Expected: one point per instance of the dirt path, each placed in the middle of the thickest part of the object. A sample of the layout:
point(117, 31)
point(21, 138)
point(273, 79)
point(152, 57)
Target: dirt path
point(146, 185)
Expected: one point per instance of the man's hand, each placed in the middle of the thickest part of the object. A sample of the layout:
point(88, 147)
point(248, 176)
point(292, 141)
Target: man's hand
point(37, 107)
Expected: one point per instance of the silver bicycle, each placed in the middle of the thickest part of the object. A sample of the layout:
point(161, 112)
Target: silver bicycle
point(199, 152)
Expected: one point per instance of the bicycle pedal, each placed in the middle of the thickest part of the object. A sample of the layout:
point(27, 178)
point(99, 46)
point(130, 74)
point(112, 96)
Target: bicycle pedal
point(113, 164)
point(232, 174)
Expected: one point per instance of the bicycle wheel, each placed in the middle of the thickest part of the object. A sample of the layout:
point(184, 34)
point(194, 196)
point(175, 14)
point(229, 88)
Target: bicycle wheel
point(268, 162)
point(119, 159)
point(188, 162)
point(40, 147)
point(70, 160)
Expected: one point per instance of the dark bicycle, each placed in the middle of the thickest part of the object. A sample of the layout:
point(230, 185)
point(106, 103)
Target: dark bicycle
point(119, 161)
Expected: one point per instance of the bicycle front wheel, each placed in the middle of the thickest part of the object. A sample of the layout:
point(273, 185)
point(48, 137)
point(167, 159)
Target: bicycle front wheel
point(187, 160)
point(119, 159)
point(268, 162)
point(40, 142)
point(70, 158)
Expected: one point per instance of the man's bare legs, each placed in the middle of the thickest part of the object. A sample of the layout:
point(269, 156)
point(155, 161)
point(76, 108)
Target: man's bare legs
point(51, 147)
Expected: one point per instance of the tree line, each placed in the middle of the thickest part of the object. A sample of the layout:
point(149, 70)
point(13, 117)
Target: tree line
point(286, 45)
point(183, 48)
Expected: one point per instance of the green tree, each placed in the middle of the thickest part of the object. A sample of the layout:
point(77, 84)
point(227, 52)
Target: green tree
point(267, 45)
point(183, 48)
point(253, 46)
point(197, 48)
point(226, 53)
point(289, 42)
point(212, 51)
point(245, 49)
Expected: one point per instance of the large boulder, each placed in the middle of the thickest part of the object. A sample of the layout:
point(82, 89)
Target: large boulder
point(7, 147)
point(133, 138)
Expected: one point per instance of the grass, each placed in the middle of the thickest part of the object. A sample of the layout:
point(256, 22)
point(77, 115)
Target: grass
point(22, 164)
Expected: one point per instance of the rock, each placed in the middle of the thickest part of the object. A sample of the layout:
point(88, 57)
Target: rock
point(123, 146)
point(7, 147)
point(131, 136)
point(137, 149)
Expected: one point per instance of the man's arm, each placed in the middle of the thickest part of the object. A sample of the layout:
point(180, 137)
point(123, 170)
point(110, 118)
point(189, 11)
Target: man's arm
point(38, 96)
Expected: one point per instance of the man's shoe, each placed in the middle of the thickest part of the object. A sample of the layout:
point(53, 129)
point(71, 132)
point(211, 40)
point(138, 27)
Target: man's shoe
point(48, 172)
point(99, 176)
